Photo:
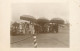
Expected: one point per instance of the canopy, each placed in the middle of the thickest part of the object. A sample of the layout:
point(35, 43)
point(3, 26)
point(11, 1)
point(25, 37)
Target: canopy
point(42, 21)
point(57, 20)
point(15, 24)
point(28, 18)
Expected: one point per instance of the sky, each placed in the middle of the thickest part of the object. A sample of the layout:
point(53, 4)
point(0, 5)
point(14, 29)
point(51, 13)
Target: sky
point(47, 10)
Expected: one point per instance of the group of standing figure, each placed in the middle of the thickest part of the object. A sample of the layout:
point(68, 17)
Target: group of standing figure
point(47, 28)
point(25, 28)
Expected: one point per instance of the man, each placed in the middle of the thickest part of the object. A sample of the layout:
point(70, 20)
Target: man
point(31, 28)
point(36, 27)
point(53, 27)
point(56, 27)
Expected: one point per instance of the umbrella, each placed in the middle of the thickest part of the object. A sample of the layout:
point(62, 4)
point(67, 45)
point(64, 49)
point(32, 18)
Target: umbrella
point(42, 21)
point(57, 20)
point(23, 21)
point(28, 18)
point(15, 24)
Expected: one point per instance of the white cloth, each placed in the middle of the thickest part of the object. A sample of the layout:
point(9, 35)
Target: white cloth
point(31, 29)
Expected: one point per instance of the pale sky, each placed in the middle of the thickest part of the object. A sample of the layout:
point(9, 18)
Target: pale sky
point(38, 1)
point(47, 10)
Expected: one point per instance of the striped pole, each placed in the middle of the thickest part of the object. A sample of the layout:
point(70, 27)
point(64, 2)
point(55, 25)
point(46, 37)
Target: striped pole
point(35, 40)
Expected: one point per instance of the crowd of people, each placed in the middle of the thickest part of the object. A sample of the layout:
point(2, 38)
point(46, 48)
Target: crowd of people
point(46, 28)
point(29, 28)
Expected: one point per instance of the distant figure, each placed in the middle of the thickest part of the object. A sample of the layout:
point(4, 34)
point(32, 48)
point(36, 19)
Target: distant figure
point(48, 28)
point(20, 28)
point(31, 28)
point(45, 28)
point(26, 28)
point(23, 28)
point(53, 27)
point(37, 28)
point(56, 27)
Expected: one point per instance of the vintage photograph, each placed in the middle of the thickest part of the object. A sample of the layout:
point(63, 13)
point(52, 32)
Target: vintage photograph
point(39, 25)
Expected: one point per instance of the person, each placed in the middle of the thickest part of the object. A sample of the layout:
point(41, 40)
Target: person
point(27, 28)
point(48, 28)
point(56, 27)
point(31, 29)
point(20, 28)
point(23, 27)
point(53, 27)
point(36, 27)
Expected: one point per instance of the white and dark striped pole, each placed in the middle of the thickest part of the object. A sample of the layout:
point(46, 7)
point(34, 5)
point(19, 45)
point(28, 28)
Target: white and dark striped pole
point(34, 39)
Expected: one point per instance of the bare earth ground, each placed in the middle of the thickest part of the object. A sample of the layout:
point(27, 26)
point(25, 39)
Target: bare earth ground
point(44, 40)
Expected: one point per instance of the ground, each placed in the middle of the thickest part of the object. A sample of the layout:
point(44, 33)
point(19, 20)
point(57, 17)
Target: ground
point(44, 40)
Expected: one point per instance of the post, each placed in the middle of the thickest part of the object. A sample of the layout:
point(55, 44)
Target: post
point(34, 38)
point(35, 41)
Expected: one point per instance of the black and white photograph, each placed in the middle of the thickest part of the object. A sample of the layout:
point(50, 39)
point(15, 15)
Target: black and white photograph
point(40, 25)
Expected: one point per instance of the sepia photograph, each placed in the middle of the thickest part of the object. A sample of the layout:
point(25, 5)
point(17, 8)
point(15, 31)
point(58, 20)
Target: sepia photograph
point(40, 25)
